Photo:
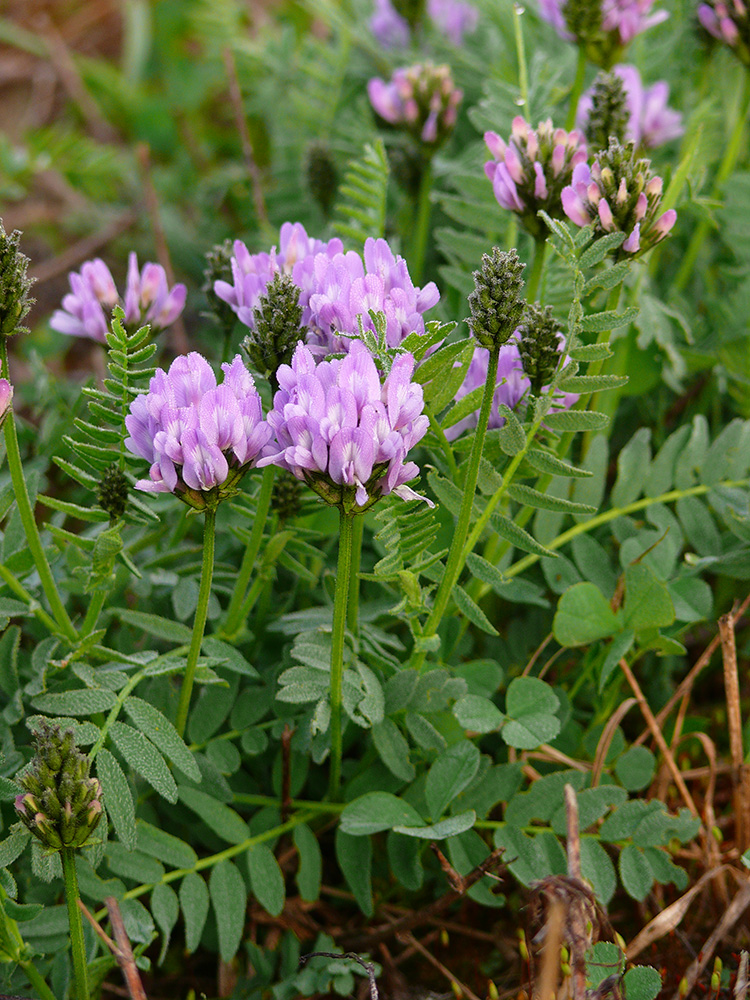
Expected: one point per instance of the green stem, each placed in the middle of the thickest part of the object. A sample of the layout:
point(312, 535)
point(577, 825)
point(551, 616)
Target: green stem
point(537, 267)
point(725, 169)
point(92, 614)
point(77, 947)
point(31, 531)
point(421, 224)
point(352, 607)
point(134, 681)
point(340, 603)
point(455, 561)
point(201, 611)
point(575, 94)
point(523, 76)
point(37, 981)
point(234, 615)
point(443, 441)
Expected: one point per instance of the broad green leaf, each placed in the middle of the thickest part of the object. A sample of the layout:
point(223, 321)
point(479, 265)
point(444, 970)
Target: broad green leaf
point(159, 844)
point(642, 982)
point(266, 879)
point(597, 867)
point(229, 899)
point(354, 855)
point(404, 857)
point(527, 695)
point(467, 850)
point(118, 800)
point(603, 321)
point(449, 775)
point(661, 474)
point(591, 383)
point(636, 768)
point(591, 352)
point(143, 757)
point(620, 645)
point(699, 526)
point(524, 860)
point(512, 436)
point(583, 616)
point(599, 249)
point(576, 420)
point(376, 811)
point(393, 749)
point(14, 844)
point(692, 599)
point(194, 902)
point(134, 865)
point(165, 909)
point(83, 701)
point(472, 611)
point(635, 872)
point(450, 827)
point(161, 732)
point(162, 628)
point(138, 923)
point(310, 870)
point(478, 714)
point(593, 803)
point(647, 601)
point(224, 822)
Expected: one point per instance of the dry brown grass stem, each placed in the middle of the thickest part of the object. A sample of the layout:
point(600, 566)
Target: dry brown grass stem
point(605, 740)
point(536, 654)
point(545, 987)
point(658, 736)
point(411, 940)
point(740, 775)
point(742, 982)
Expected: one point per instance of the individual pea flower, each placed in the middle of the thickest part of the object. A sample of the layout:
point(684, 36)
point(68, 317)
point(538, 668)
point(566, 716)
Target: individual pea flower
point(342, 431)
point(529, 172)
point(422, 99)
point(496, 303)
point(392, 24)
point(648, 121)
point(200, 438)
point(60, 804)
point(601, 27)
point(15, 285)
point(729, 21)
point(6, 399)
point(87, 308)
point(252, 273)
point(619, 193)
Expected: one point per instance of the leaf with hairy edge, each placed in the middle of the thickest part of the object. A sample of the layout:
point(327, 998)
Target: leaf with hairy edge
point(471, 609)
point(143, 757)
point(642, 982)
point(598, 250)
point(591, 383)
point(449, 775)
point(544, 501)
point(602, 321)
point(310, 871)
point(157, 843)
point(163, 734)
point(576, 420)
point(83, 701)
point(118, 800)
point(194, 901)
point(224, 822)
point(14, 844)
point(229, 898)
point(266, 879)
point(543, 461)
point(518, 537)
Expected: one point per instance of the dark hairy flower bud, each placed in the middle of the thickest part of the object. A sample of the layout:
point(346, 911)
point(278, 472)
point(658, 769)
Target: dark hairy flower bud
point(609, 111)
point(113, 492)
point(496, 303)
point(15, 285)
point(278, 327)
point(322, 175)
point(60, 803)
point(219, 268)
point(412, 11)
point(286, 498)
point(539, 344)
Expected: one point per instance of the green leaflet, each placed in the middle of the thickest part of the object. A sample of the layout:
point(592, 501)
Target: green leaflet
point(362, 196)
point(143, 757)
point(194, 901)
point(229, 898)
point(118, 800)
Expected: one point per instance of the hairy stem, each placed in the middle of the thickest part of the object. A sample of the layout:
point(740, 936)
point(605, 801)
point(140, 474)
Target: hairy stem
point(537, 268)
point(23, 503)
point(340, 604)
point(37, 980)
point(352, 608)
point(199, 624)
point(234, 617)
point(77, 947)
point(575, 94)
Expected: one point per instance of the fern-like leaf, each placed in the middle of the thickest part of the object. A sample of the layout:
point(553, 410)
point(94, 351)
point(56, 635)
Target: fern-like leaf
point(361, 204)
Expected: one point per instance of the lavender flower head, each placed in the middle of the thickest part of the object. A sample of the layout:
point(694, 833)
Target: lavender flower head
point(602, 27)
point(511, 387)
point(87, 308)
point(198, 437)
point(529, 172)
point(343, 432)
point(422, 99)
point(651, 122)
point(619, 194)
point(729, 21)
point(453, 18)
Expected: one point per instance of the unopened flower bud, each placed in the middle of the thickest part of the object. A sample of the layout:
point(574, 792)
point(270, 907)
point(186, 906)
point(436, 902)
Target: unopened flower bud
point(277, 326)
point(496, 303)
point(608, 112)
point(15, 301)
point(729, 21)
point(113, 492)
point(540, 340)
point(421, 99)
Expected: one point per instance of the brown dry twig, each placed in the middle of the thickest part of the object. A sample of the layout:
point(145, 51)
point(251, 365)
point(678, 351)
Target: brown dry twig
point(120, 947)
point(740, 775)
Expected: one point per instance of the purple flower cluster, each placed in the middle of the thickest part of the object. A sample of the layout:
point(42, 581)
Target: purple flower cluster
point(199, 437)
point(335, 288)
point(529, 172)
point(651, 122)
point(87, 308)
point(621, 20)
point(729, 21)
point(511, 387)
point(343, 432)
point(422, 99)
point(619, 194)
point(453, 18)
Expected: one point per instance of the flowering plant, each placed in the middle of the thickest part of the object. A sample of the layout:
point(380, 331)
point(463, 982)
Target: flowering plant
point(651, 122)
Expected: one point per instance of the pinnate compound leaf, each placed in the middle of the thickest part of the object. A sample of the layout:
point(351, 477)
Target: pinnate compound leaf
point(310, 871)
point(602, 321)
point(194, 901)
point(583, 616)
point(517, 536)
point(545, 501)
point(599, 249)
point(144, 758)
point(229, 898)
point(266, 879)
point(543, 461)
point(376, 811)
point(224, 822)
point(118, 800)
point(453, 770)
point(163, 734)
